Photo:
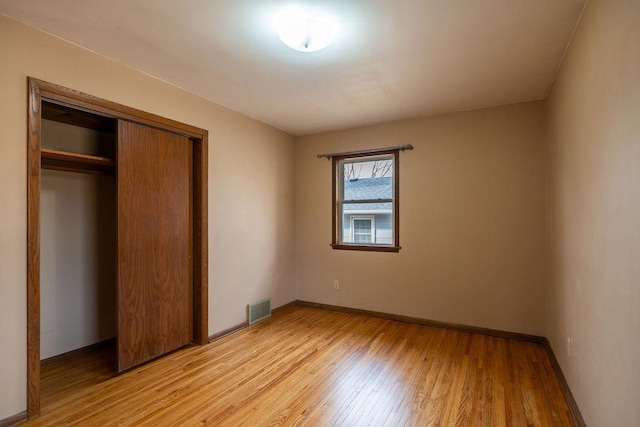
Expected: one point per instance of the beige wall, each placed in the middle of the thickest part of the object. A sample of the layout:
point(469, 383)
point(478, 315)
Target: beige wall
point(594, 133)
point(77, 261)
point(472, 221)
point(251, 188)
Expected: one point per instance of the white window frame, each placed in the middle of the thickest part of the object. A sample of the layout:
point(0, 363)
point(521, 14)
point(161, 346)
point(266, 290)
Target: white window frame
point(371, 219)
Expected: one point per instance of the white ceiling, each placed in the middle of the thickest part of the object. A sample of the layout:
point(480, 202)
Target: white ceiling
point(392, 59)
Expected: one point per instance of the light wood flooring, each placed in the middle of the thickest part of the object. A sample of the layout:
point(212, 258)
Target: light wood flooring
point(307, 366)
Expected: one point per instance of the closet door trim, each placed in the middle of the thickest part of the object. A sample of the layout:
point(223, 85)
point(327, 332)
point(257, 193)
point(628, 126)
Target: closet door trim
point(39, 91)
point(92, 104)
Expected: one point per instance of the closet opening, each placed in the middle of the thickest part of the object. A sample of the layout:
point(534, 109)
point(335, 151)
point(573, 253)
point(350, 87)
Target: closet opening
point(116, 234)
point(78, 243)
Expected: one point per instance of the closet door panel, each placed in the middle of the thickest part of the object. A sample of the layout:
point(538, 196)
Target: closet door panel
point(154, 243)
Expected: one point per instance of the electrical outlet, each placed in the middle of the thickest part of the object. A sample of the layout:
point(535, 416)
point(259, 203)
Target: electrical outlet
point(336, 284)
point(569, 347)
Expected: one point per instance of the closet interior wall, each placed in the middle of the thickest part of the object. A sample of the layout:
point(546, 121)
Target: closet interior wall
point(78, 245)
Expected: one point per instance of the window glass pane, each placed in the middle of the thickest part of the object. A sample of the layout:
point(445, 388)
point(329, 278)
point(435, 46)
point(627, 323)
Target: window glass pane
point(361, 238)
point(362, 226)
point(370, 180)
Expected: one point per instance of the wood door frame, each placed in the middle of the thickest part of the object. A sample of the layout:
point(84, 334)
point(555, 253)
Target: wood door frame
point(39, 91)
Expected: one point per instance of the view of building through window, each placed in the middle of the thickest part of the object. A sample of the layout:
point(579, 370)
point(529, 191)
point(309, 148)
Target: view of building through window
point(367, 200)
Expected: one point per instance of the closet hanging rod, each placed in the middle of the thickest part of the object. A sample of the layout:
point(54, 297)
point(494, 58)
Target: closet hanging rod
point(371, 151)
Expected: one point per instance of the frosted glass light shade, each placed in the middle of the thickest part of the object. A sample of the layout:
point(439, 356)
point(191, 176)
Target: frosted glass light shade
point(305, 32)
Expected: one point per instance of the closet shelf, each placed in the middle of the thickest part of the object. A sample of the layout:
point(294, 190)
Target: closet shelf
point(76, 162)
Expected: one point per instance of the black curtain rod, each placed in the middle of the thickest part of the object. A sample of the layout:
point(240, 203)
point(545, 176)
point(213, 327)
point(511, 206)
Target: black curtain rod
point(371, 151)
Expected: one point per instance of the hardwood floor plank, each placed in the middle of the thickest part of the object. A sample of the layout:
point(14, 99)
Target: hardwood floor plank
point(308, 366)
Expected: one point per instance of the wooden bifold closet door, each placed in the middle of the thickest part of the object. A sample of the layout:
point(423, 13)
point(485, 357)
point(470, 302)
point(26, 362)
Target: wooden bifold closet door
point(154, 289)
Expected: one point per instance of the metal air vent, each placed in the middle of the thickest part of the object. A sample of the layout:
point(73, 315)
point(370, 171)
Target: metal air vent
point(259, 310)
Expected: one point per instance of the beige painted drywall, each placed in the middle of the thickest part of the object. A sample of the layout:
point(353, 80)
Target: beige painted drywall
point(472, 221)
point(251, 187)
point(78, 248)
point(594, 134)
point(77, 261)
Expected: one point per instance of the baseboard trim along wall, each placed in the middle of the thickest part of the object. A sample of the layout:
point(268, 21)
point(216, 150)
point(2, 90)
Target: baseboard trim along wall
point(427, 322)
point(14, 420)
point(573, 406)
point(228, 331)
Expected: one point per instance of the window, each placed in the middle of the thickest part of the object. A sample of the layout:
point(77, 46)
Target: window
point(362, 229)
point(365, 202)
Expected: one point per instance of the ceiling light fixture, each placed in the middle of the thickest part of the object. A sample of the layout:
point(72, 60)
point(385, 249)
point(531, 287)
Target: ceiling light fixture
point(305, 31)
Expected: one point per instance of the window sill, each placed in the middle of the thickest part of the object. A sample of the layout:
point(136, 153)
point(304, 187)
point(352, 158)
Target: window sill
point(370, 248)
